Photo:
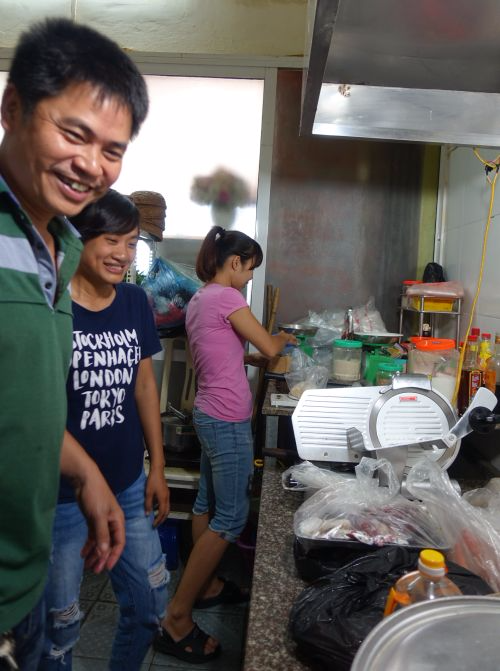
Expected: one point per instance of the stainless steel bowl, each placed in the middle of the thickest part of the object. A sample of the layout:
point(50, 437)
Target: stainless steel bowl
point(379, 338)
point(299, 329)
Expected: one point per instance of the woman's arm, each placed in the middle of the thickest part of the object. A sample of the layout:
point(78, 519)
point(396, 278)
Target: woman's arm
point(255, 359)
point(247, 326)
point(148, 407)
point(105, 521)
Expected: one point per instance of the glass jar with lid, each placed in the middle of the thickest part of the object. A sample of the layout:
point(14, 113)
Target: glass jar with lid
point(387, 370)
point(346, 365)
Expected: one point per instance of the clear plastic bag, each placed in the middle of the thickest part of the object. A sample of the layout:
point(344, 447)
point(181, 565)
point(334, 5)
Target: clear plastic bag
point(361, 510)
point(308, 477)
point(170, 286)
point(474, 541)
point(367, 319)
point(451, 289)
point(488, 499)
point(304, 374)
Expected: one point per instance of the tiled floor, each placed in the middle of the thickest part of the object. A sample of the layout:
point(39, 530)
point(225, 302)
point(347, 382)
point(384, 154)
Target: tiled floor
point(226, 623)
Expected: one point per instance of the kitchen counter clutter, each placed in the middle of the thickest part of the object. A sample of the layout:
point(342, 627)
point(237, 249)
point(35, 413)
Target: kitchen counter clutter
point(276, 583)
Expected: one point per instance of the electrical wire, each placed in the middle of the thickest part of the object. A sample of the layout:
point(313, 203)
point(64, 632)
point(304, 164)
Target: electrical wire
point(489, 166)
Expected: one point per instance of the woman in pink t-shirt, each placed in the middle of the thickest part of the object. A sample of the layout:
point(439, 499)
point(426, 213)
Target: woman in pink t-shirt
point(218, 324)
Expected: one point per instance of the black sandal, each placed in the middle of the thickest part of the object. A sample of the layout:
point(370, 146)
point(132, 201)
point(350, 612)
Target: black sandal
point(229, 594)
point(196, 640)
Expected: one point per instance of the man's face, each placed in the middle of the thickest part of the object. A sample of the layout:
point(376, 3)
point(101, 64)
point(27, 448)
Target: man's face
point(67, 153)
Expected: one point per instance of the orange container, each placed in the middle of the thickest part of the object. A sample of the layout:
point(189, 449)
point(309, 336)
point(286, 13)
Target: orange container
point(433, 344)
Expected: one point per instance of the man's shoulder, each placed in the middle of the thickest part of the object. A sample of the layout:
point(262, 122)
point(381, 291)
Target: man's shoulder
point(8, 224)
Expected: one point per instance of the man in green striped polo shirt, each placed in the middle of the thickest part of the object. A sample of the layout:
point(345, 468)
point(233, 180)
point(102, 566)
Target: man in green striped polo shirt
point(71, 105)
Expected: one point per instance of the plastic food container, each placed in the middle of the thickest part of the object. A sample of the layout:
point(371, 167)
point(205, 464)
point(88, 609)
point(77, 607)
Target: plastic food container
point(437, 358)
point(346, 365)
point(387, 370)
point(431, 304)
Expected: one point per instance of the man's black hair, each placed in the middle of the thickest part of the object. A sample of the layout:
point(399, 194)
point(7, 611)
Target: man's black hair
point(55, 53)
point(113, 213)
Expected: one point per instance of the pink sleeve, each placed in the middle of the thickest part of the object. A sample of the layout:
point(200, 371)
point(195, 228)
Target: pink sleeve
point(230, 301)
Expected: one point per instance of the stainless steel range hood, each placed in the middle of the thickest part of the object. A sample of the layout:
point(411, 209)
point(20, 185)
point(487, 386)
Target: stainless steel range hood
point(415, 70)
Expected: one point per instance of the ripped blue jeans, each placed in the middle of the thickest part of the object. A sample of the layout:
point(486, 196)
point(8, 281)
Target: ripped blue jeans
point(139, 581)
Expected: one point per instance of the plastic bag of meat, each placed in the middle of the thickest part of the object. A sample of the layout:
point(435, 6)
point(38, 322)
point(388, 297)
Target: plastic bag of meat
point(474, 541)
point(170, 286)
point(360, 510)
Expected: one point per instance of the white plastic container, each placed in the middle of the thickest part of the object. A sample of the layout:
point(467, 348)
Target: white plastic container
point(437, 358)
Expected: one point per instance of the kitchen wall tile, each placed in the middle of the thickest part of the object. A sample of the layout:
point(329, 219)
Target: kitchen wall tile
point(476, 188)
point(489, 299)
point(452, 253)
point(488, 154)
point(470, 257)
point(455, 192)
point(488, 324)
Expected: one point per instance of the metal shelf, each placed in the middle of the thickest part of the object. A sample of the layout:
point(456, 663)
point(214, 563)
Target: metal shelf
point(456, 314)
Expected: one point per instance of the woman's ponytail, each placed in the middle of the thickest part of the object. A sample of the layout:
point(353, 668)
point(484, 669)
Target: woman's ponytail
point(219, 245)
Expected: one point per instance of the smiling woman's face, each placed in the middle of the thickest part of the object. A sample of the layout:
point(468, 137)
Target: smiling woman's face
point(106, 258)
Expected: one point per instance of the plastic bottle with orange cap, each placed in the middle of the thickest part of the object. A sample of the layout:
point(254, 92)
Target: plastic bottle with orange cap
point(428, 582)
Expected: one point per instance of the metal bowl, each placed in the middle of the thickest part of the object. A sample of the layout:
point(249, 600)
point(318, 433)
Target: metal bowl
point(299, 329)
point(378, 338)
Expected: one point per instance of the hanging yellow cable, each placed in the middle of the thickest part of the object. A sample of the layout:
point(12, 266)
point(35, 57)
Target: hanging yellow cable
point(492, 165)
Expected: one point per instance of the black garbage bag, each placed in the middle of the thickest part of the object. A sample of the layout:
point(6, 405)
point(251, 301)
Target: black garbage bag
point(330, 619)
point(313, 562)
point(433, 272)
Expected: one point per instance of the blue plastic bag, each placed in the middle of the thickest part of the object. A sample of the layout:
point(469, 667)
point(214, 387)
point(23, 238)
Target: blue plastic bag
point(169, 287)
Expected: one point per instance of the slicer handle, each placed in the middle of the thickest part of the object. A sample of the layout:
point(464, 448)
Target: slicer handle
point(483, 420)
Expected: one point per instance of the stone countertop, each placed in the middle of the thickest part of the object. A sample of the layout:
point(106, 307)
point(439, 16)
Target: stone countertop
point(275, 386)
point(276, 583)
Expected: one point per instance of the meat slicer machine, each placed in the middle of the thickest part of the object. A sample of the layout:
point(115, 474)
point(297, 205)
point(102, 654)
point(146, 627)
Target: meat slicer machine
point(400, 423)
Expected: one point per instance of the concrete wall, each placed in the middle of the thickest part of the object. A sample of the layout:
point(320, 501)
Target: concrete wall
point(243, 27)
point(344, 216)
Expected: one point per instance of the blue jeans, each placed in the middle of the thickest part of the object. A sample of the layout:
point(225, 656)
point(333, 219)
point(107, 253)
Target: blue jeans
point(226, 469)
point(28, 637)
point(139, 581)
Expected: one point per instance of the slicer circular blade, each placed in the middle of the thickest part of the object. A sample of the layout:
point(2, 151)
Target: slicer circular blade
point(410, 415)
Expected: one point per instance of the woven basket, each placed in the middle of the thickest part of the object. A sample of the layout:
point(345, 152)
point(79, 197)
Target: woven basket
point(152, 208)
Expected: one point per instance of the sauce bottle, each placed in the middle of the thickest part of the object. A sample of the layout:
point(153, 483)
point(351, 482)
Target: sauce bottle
point(485, 355)
point(493, 366)
point(471, 378)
